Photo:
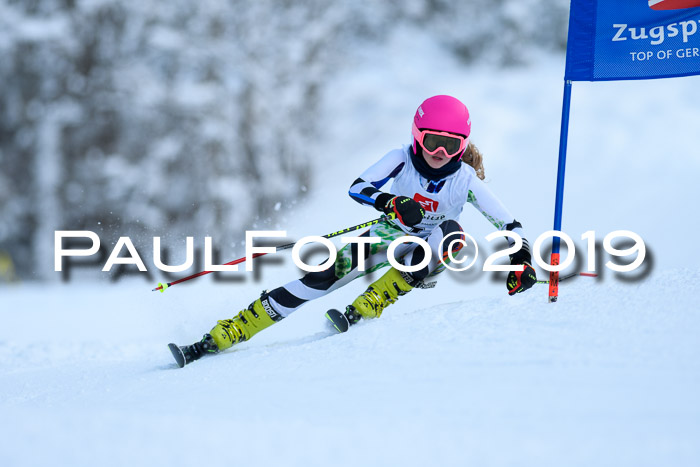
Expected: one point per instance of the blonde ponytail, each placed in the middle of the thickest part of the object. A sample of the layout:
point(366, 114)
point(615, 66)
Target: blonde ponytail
point(473, 157)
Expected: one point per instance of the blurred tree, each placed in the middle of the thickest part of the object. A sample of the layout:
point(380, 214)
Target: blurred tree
point(192, 118)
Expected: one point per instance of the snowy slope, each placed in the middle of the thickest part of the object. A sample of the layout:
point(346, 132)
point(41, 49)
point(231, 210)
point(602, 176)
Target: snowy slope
point(607, 377)
point(461, 375)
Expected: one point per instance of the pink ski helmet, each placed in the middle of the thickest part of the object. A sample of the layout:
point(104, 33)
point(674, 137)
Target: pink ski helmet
point(442, 113)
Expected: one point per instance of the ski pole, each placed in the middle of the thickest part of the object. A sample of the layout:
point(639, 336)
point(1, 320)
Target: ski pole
point(162, 286)
point(569, 276)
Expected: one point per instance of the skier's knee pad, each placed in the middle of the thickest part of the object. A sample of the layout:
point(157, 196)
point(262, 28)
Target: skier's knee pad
point(452, 229)
point(450, 226)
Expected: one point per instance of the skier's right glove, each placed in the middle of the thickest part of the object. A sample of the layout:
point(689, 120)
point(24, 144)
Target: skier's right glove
point(520, 281)
point(408, 211)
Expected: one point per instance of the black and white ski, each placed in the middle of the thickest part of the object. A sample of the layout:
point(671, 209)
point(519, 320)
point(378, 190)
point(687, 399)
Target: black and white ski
point(177, 354)
point(339, 320)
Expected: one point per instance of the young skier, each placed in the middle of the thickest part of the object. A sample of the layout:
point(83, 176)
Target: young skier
point(433, 178)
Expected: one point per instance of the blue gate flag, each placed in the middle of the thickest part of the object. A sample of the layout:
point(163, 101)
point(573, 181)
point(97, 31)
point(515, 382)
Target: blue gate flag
point(632, 39)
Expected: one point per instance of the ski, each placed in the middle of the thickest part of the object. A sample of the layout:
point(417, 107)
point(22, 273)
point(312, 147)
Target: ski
point(177, 354)
point(339, 320)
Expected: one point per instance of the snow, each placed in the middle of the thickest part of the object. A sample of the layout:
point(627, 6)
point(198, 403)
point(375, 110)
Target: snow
point(459, 375)
point(607, 376)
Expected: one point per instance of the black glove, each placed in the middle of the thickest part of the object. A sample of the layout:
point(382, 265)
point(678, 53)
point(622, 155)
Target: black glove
point(409, 212)
point(519, 281)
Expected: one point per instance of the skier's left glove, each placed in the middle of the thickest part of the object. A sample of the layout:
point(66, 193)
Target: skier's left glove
point(520, 281)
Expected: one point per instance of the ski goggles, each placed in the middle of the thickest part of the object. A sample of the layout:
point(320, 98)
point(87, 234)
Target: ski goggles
point(432, 141)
